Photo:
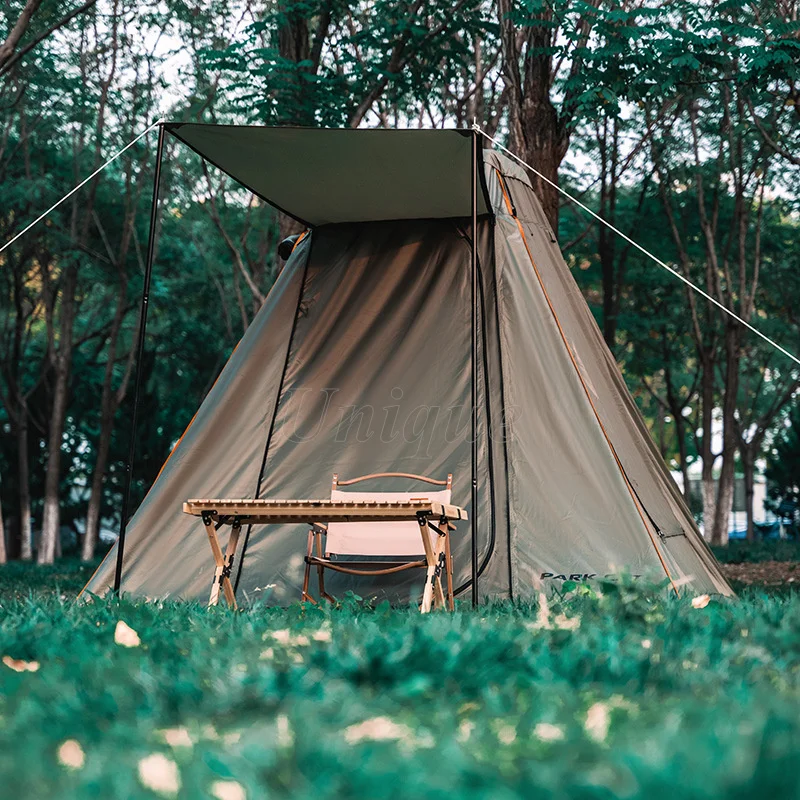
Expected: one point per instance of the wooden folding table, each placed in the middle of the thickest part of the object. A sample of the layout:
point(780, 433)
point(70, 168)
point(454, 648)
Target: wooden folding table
point(218, 512)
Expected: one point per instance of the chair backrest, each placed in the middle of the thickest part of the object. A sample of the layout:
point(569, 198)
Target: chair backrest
point(381, 538)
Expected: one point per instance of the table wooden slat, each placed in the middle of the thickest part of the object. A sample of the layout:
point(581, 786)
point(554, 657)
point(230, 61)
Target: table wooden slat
point(279, 511)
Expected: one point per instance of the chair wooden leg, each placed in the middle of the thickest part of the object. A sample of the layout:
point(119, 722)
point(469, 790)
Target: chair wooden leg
point(449, 568)
point(321, 571)
point(305, 596)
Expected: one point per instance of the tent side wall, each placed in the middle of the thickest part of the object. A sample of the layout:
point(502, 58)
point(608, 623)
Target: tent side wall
point(669, 525)
point(571, 511)
point(219, 455)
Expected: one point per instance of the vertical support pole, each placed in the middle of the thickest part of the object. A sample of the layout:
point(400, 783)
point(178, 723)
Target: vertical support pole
point(126, 498)
point(474, 266)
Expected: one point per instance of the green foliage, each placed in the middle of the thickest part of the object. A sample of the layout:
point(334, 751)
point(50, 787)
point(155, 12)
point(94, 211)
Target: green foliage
point(52, 137)
point(622, 693)
point(741, 552)
point(655, 342)
point(783, 467)
point(640, 53)
point(313, 62)
point(641, 66)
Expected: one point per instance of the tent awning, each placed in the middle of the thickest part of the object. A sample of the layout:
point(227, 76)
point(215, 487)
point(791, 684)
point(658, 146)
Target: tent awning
point(329, 175)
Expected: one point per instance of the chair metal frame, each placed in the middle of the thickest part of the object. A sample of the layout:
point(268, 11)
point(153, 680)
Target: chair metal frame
point(438, 562)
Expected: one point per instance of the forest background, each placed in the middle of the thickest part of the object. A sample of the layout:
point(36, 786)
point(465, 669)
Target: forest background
point(677, 121)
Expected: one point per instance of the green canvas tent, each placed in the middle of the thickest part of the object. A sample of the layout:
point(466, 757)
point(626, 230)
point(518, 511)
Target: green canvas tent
point(392, 342)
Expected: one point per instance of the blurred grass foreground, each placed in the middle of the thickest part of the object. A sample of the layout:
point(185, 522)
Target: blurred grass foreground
point(608, 693)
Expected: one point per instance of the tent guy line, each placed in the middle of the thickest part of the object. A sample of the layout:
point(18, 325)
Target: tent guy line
point(639, 247)
point(81, 184)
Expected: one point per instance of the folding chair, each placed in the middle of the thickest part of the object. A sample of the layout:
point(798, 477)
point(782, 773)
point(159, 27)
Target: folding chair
point(375, 542)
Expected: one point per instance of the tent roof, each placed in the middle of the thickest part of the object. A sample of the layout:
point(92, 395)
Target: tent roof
point(327, 175)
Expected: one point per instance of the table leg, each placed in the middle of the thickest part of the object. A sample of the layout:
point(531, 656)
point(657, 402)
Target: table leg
point(219, 559)
point(230, 554)
point(449, 566)
point(439, 558)
point(222, 562)
point(427, 593)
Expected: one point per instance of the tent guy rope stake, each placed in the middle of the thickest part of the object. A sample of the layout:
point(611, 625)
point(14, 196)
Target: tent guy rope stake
point(639, 247)
point(81, 184)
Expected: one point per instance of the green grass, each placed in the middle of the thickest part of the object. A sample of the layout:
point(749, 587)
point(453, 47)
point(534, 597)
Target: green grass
point(695, 703)
point(20, 579)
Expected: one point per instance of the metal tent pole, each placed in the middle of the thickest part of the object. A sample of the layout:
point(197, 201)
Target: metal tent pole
point(126, 498)
point(474, 254)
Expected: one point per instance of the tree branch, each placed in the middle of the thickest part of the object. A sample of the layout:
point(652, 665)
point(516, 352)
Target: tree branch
point(18, 31)
point(12, 58)
point(792, 159)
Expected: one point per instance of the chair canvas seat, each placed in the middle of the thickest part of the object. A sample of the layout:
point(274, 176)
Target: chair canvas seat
point(379, 538)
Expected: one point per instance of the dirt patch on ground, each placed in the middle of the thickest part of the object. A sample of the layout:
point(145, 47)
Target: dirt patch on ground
point(764, 573)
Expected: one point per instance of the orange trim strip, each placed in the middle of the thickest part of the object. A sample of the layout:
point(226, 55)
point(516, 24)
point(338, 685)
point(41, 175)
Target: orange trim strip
point(300, 239)
point(635, 499)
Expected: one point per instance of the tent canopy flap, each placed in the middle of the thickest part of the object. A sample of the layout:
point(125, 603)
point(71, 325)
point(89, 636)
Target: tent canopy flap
point(331, 175)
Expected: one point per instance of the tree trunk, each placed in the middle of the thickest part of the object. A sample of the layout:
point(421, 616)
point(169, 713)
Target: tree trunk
point(730, 439)
point(96, 495)
point(661, 428)
point(680, 433)
point(706, 453)
point(536, 132)
point(18, 407)
point(16, 33)
point(539, 138)
point(686, 488)
point(709, 498)
point(109, 403)
point(23, 467)
point(609, 309)
point(748, 466)
point(676, 404)
point(606, 239)
point(51, 521)
point(719, 533)
point(3, 554)
point(51, 518)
